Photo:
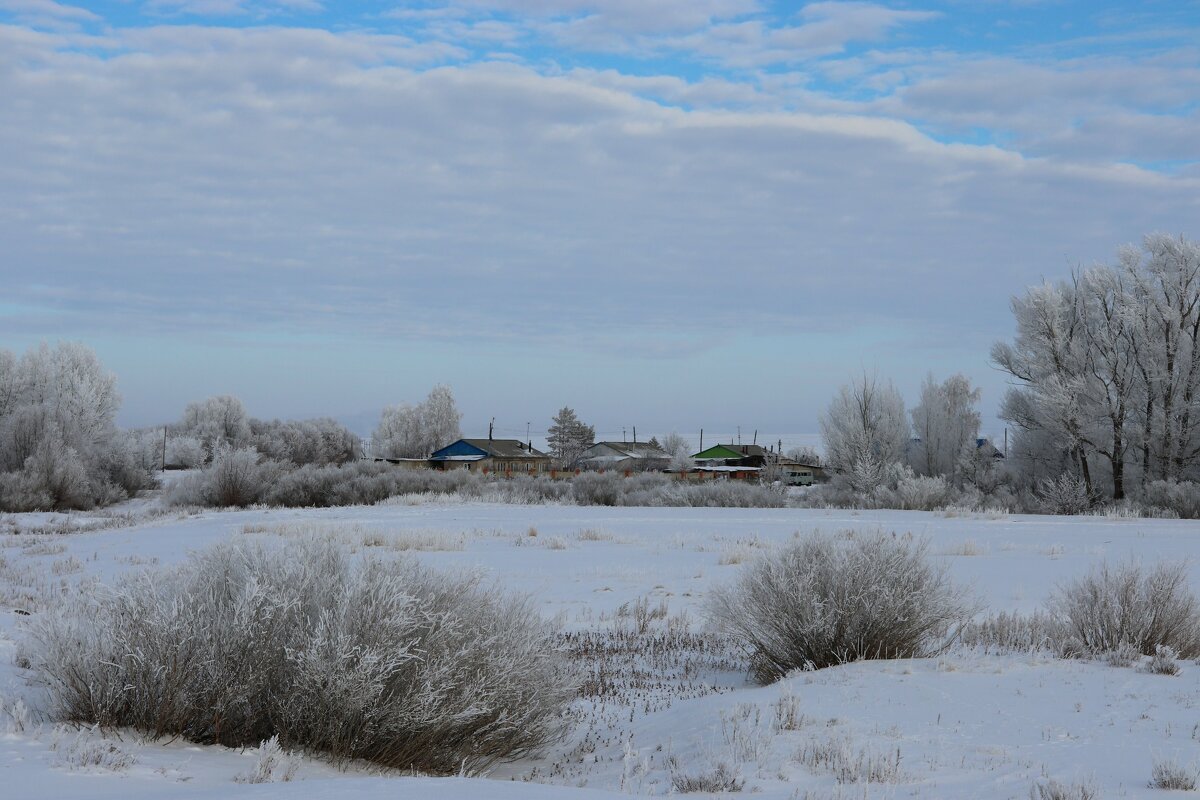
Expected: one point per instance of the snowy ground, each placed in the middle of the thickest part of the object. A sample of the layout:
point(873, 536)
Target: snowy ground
point(964, 725)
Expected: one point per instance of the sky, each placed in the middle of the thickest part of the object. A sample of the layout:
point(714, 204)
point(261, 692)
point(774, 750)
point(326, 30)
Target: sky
point(678, 214)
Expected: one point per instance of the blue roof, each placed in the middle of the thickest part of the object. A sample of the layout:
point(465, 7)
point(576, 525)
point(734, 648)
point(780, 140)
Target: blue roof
point(460, 448)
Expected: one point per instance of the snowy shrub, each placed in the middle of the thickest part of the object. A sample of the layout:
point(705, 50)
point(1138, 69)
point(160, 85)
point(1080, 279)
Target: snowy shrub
point(823, 601)
point(236, 477)
point(272, 764)
point(1127, 605)
point(88, 749)
point(309, 487)
point(365, 658)
point(596, 489)
point(731, 494)
point(923, 494)
point(1180, 497)
point(185, 451)
point(1066, 494)
point(54, 478)
point(1124, 656)
point(1171, 775)
point(1162, 662)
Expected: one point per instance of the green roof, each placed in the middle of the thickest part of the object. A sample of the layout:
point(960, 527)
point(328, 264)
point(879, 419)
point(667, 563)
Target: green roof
point(719, 451)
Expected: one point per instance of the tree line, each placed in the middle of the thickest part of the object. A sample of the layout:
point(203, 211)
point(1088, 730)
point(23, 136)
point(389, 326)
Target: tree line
point(1104, 407)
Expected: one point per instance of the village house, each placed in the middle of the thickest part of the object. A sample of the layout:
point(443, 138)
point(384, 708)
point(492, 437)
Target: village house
point(624, 457)
point(492, 456)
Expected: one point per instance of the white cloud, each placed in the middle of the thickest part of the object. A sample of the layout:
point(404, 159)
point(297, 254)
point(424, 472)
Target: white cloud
point(301, 180)
point(222, 8)
point(47, 8)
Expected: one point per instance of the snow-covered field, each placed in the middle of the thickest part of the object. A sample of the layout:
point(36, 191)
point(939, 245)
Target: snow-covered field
point(968, 724)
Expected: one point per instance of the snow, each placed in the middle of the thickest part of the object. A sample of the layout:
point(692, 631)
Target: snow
point(967, 724)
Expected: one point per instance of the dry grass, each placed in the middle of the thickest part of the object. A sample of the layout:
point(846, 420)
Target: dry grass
point(356, 535)
point(1171, 775)
point(849, 764)
point(1053, 790)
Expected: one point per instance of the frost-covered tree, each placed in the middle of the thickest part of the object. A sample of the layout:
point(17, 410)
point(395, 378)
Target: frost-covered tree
point(673, 442)
point(407, 431)
point(1047, 358)
point(313, 441)
point(804, 455)
point(945, 427)
point(440, 418)
point(865, 428)
point(1108, 369)
point(217, 422)
point(679, 450)
point(59, 444)
point(568, 437)
point(1164, 278)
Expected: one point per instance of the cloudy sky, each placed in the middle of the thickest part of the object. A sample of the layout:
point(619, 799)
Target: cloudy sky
point(671, 214)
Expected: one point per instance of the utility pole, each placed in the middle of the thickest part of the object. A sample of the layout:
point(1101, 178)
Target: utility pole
point(635, 434)
point(702, 440)
point(755, 437)
point(164, 450)
point(739, 435)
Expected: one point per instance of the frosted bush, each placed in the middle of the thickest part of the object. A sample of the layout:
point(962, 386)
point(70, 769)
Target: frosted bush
point(823, 601)
point(1162, 662)
point(596, 489)
point(88, 749)
point(185, 451)
point(1180, 497)
point(236, 477)
point(1126, 605)
point(1066, 494)
point(366, 658)
point(272, 764)
point(923, 494)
